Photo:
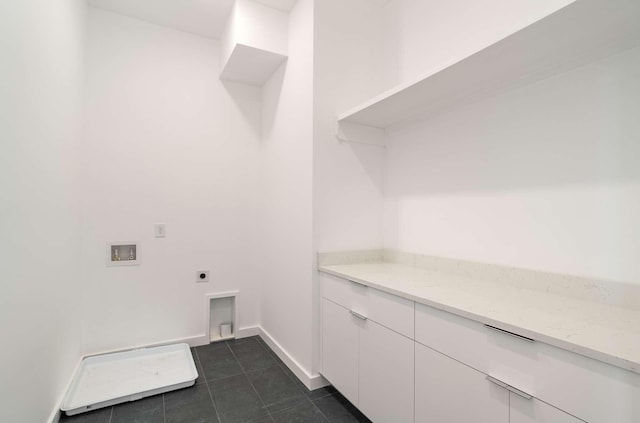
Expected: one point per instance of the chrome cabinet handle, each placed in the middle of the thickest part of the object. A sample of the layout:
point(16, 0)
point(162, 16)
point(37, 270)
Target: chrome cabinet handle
point(509, 388)
point(506, 332)
point(358, 315)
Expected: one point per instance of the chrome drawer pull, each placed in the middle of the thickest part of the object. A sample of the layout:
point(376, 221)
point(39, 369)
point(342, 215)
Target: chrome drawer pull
point(358, 315)
point(357, 283)
point(509, 388)
point(506, 332)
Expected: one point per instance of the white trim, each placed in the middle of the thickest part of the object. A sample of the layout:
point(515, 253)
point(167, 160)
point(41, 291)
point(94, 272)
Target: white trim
point(247, 332)
point(312, 382)
point(193, 341)
point(207, 312)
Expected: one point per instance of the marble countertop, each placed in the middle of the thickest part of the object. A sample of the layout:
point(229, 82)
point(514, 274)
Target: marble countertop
point(597, 330)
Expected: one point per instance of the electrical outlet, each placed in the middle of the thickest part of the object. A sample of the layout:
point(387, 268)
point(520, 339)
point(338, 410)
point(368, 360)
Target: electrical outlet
point(202, 276)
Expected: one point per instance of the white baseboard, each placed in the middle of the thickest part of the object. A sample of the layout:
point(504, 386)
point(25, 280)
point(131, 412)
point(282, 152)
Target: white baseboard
point(247, 332)
point(192, 341)
point(310, 381)
point(198, 341)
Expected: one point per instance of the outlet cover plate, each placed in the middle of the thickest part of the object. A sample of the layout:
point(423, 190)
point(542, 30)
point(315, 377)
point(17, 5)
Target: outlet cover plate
point(160, 230)
point(202, 276)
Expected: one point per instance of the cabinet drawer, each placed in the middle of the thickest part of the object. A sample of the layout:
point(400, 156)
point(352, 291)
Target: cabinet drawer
point(391, 311)
point(535, 411)
point(589, 389)
point(502, 356)
point(447, 391)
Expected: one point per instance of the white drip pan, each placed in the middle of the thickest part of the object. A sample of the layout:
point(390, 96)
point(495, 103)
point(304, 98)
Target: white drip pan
point(105, 380)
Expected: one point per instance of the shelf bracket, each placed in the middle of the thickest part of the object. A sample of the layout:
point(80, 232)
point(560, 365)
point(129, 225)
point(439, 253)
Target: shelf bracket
point(353, 133)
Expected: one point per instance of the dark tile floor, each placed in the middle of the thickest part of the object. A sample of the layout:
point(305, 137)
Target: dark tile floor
point(241, 381)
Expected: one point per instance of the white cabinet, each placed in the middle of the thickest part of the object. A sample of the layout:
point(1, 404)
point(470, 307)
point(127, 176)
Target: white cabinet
point(588, 389)
point(536, 411)
point(403, 362)
point(370, 364)
point(447, 391)
point(391, 311)
point(340, 349)
point(386, 374)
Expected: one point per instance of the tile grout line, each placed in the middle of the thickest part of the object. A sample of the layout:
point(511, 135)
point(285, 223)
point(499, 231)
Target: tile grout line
point(289, 373)
point(111, 414)
point(244, 372)
point(294, 380)
point(264, 406)
point(328, 394)
point(206, 383)
point(195, 351)
point(286, 372)
point(280, 363)
point(320, 411)
point(213, 402)
point(266, 348)
point(164, 411)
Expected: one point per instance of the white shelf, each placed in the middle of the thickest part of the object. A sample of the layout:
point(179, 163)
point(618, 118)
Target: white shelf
point(582, 32)
point(251, 65)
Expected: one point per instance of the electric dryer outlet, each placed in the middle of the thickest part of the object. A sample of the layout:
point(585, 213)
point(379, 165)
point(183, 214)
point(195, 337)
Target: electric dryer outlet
point(202, 276)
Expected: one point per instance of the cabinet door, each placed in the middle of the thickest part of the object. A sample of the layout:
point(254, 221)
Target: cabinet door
point(340, 349)
point(448, 391)
point(386, 374)
point(535, 411)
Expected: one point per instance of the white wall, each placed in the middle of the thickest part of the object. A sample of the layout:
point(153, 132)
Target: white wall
point(41, 62)
point(424, 36)
point(287, 193)
point(545, 177)
point(256, 25)
point(349, 67)
point(542, 177)
point(166, 142)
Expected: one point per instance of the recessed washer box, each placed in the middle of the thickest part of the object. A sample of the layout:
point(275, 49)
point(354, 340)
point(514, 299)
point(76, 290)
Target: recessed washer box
point(109, 379)
point(123, 253)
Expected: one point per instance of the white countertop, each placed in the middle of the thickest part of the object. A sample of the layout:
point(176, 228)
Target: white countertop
point(601, 331)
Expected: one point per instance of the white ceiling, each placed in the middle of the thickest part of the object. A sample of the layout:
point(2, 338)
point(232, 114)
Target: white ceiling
point(284, 5)
point(203, 17)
